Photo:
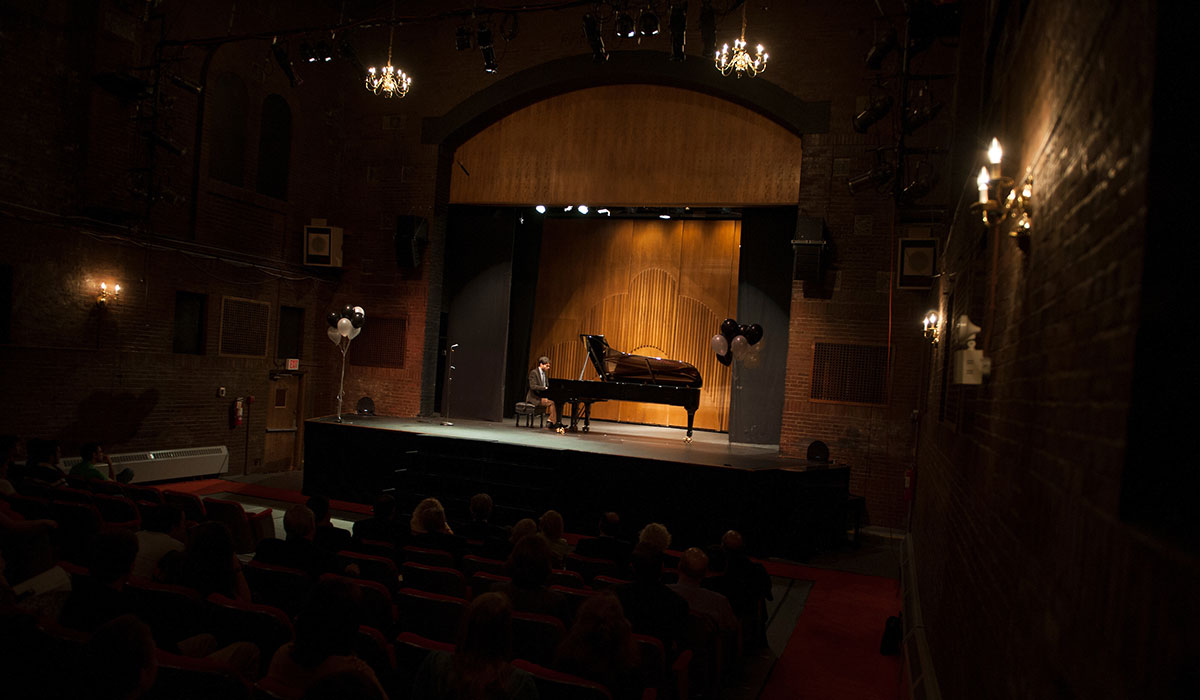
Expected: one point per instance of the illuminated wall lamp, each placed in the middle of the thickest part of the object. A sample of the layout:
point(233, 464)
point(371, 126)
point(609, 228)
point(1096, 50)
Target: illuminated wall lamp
point(931, 326)
point(105, 295)
point(1000, 203)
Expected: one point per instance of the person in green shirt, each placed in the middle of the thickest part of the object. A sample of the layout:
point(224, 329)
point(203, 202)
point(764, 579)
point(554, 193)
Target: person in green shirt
point(92, 454)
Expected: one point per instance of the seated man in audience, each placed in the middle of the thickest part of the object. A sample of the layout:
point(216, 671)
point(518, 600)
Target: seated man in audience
point(651, 607)
point(42, 462)
point(382, 526)
point(550, 525)
point(655, 536)
point(327, 536)
point(747, 586)
point(122, 663)
point(91, 456)
point(609, 544)
point(693, 565)
point(529, 566)
point(480, 527)
point(298, 550)
point(163, 531)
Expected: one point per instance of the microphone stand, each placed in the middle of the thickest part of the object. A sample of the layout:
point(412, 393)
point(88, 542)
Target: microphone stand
point(450, 385)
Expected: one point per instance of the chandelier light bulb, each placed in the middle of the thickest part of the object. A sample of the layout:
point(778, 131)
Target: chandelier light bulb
point(982, 182)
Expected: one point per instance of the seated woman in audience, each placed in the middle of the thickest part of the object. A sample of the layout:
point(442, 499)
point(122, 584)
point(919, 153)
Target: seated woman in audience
point(326, 635)
point(479, 668)
point(209, 564)
point(600, 647)
point(529, 567)
point(551, 527)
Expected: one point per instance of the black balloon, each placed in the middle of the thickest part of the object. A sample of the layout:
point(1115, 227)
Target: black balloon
point(729, 328)
point(333, 318)
point(753, 333)
point(357, 319)
point(725, 359)
point(348, 311)
point(744, 329)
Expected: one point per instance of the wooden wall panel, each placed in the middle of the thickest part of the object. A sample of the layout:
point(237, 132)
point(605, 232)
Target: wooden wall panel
point(651, 287)
point(630, 145)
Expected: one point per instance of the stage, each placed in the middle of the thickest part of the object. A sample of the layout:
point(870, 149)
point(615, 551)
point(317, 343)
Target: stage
point(785, 507)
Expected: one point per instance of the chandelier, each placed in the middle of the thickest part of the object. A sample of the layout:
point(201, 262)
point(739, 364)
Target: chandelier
point(739, 59)
point(388, 81)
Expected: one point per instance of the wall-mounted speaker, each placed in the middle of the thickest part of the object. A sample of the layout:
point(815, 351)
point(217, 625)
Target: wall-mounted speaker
point(808, 248)
point(412, 233)
point(322, 246)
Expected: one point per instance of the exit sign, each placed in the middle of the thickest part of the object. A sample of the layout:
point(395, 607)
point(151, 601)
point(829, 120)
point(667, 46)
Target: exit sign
point(293, 363)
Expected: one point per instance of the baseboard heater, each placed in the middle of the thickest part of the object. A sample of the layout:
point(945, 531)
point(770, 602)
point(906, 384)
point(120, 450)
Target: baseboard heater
point(167, 465)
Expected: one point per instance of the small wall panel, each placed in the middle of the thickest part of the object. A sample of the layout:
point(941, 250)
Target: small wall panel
point(657, 288)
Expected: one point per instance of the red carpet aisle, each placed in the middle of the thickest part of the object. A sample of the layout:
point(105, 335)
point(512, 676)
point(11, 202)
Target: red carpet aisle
point(833, 654)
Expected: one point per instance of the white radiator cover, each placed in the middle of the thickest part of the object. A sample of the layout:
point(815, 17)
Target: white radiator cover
point(167, 465)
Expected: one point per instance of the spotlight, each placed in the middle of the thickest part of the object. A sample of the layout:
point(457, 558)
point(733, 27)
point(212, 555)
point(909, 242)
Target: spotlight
point(917, 117)
point(648, 22)
point(484, 39)
point(878, 109)
point(186, 84)
point(569, 207)
point(918, 187)
point(462, 38)
point(881, 48)
point(307, 52)
point(167, 144)
point(678, 27)
point(582, 209)
point(591, 30)
point(875, 177)
point(625, 25)
point(664, 216)
point(708, 29)
point(604, 212)
point(541, 208)
point(322, 52)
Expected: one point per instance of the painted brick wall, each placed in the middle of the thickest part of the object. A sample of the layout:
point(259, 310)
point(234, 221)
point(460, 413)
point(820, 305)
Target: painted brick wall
point(1031, 584)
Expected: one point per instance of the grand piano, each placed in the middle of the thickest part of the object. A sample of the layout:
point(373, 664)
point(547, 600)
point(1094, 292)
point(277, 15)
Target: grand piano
point(626, 377)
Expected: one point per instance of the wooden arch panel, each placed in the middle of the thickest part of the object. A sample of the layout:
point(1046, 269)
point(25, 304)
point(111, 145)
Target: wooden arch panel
point(630, 145)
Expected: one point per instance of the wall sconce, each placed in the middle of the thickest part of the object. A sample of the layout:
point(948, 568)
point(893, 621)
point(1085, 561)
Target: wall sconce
point(106, 294)
point(932, 327)
point(1001, 202)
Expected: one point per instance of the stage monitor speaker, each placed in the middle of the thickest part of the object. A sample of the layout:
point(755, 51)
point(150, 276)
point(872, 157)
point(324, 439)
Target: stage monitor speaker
point(808, 248)
point(412, 232)
point(323, 246)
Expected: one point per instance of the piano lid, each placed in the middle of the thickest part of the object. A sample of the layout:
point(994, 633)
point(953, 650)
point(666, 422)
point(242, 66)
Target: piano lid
point(616, 366)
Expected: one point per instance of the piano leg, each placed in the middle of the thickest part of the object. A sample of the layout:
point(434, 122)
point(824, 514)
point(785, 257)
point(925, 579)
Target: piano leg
point(691, 418)
point(574, 416)
point(587, 415)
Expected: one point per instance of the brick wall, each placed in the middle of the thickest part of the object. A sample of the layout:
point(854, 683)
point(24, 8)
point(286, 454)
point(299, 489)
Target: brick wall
point(1031, 583)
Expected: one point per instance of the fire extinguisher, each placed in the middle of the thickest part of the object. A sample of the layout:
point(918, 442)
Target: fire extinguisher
point(237, 412)
point(908, 484)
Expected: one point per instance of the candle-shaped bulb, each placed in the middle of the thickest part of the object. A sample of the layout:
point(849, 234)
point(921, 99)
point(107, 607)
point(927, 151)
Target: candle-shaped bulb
point(995, 153)
point(982, 181)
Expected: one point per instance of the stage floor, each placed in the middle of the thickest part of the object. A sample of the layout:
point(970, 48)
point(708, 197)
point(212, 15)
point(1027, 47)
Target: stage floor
point(605, 437)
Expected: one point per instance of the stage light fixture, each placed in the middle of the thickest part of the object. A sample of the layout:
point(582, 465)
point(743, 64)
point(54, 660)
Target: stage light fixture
point(307, 52)
point(541, 208)
point(569, 207)
point(664, 216)
point(880, 105)
point(483, 38)
point(921, 111)
point(881, 48)
point(582, 209)
point(591, 30)
point(678, 26)
point(604, 212)
point(180, 81)
point(648, 22)
point(876, 177)
point(625, 25)
point(462, 38)
point(920, 185)
point(323, 52)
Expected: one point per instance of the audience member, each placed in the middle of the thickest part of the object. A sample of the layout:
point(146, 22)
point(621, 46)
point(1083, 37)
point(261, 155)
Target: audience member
point(163, 531)
point(609, 544)
point(479, 668)
point(551, 527)
point(91, 455)
point(383, 525)
point(121, 659)
point(297, 551)
point(747, 586)
point(97, 598)
point(529, 566)
point(693, 565)
point(42, 461)
point(9, 446)
point(651, 607)
point(344, 685)
point(210, 565)
point(600, 647)
point(327, 536)
point(430, 529)
point(479, 527)
point(26, 543)
point(655, 536)
point(326, 635)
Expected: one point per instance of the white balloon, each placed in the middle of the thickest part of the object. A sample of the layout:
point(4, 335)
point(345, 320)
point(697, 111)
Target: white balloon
point(738, 345)
point(333, 335)
point(719, 345)
point(359, 310)
point(344, 327)
point(354, 333)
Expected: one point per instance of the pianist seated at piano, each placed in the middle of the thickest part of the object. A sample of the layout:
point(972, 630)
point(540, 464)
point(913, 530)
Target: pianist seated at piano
point(539, 381)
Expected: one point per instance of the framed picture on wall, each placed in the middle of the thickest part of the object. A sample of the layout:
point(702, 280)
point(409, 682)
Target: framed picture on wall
point(918, 263)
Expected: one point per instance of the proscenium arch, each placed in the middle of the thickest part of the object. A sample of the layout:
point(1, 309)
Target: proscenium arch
point(623, 68)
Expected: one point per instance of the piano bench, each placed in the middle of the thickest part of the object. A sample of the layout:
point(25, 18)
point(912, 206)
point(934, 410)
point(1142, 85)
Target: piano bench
point(529, 410)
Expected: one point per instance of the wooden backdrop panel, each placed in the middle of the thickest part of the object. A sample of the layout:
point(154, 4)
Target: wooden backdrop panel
point(630, 145)
point(651, 287)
